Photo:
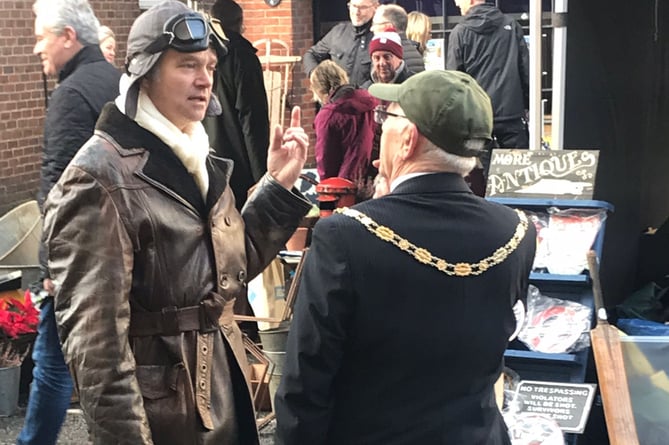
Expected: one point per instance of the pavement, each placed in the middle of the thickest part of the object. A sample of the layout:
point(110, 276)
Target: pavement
point(75, 432)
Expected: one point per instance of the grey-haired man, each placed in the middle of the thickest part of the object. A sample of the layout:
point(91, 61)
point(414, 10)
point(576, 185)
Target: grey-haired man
point(429, 263)
point(66, 33)
point(149, 253)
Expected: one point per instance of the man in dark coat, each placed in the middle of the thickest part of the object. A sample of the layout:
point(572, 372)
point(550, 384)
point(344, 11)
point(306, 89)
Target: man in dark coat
point(397, 17)
point(346, 44)
point(68, 46)
point(241, 132)
point(491, 48)
point(405, 305)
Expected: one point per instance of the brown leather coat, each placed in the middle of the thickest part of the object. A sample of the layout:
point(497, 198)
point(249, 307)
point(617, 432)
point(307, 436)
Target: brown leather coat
point(148, 273)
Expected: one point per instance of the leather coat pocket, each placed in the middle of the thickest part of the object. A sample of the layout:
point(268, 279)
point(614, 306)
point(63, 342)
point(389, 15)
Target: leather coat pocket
point(169, 403)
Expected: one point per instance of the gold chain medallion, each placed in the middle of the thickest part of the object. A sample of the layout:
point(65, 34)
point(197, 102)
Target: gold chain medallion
point(424, 256)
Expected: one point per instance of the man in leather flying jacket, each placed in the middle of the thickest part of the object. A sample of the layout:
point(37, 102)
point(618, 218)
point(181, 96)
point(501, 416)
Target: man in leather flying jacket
point(148, 252)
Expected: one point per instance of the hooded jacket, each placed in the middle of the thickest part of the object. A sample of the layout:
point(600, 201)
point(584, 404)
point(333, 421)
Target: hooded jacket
point(147, 273)
point(345, 133)
point(490, 47)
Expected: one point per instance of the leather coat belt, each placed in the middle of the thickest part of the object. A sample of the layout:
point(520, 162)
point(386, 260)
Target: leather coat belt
point(205, 318)
point(172, 320)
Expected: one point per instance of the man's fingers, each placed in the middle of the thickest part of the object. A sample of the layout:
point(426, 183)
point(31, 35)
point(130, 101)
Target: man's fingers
point(296, 117)
point(277, 138)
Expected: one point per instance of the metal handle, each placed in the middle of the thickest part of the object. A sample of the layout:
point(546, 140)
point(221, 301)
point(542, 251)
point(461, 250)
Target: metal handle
point(593, 266)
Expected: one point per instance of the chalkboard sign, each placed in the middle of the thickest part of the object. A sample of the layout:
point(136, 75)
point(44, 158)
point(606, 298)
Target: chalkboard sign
point(566, 403)
point(548, 174)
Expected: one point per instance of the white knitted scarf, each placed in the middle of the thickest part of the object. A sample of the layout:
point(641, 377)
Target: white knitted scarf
point(191, 146)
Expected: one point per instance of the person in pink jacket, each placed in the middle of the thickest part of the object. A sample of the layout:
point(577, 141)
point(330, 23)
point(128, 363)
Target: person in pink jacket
point(344, 127)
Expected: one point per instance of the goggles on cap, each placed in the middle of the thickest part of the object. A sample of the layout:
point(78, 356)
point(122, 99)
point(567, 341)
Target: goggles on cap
point(186, 32)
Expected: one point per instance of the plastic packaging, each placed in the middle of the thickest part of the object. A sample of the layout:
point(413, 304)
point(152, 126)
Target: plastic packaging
point(553, 325)
point(526, 428)
point(564, 237)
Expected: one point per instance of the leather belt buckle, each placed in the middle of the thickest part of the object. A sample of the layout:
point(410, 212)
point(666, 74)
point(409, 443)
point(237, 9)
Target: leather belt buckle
point(206, 323)
point(170, 321)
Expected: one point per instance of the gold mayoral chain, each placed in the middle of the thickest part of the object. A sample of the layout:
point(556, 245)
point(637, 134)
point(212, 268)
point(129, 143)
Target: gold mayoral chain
point(424, 256)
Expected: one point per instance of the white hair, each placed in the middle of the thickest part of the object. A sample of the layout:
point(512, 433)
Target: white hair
point(57, 14)
point(448, 162)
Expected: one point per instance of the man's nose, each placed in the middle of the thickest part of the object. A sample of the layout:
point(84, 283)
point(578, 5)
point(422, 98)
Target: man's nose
point(205, 79)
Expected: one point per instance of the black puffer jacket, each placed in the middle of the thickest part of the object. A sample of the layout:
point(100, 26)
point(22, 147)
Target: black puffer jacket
point(412, 57)
point(85, 84)
point(490, 47)
point(347, 46)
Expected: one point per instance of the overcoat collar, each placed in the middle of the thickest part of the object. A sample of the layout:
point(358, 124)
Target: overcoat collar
point(162, 168)
point(87, 54)
point(433, 182)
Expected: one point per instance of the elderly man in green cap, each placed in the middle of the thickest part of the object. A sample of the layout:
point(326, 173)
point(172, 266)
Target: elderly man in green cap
point(405, 305)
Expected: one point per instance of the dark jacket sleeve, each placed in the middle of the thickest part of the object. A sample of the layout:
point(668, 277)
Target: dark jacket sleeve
point(305, 398)
point(271, 215)
point(69, 124)
point(454, 54)
point(523, 65)
point(319, 52)
point(253, 111)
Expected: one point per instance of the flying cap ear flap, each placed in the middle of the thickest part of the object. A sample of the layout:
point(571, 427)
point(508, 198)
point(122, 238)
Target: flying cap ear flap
point(214, 107)
point(218, 37)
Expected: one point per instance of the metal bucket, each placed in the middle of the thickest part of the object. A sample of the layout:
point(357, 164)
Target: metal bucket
point(278, 358)
point(9, 390)
point(20, 232)
point(273, 386)
point(274, 340)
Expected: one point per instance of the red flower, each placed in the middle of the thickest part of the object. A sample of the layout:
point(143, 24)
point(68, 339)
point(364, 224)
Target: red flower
point(18, 318)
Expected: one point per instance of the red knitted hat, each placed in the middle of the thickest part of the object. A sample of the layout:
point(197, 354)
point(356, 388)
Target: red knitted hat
point(387, 40)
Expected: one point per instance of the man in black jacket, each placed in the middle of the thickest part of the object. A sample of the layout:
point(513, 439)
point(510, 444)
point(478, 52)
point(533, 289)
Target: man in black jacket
point(397, 17)
point(241, 132)
point(491, 48)
point(346, 44)
point(429, 263)
point(67, 44)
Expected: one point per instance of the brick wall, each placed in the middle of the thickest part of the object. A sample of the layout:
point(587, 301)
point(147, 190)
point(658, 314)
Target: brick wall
point(21, 105)
point(21, 87)
point(22, 93)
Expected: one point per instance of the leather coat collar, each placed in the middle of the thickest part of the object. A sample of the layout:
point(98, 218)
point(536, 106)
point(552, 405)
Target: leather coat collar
point(162, 168)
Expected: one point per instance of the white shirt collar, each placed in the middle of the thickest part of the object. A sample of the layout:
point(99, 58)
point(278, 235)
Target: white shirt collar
point(401, 179)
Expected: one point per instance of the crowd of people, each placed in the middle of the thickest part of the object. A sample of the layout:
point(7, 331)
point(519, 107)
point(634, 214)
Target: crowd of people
point(164, 191)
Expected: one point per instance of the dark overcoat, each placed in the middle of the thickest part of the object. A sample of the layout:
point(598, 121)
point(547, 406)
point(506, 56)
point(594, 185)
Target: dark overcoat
point(386, 350)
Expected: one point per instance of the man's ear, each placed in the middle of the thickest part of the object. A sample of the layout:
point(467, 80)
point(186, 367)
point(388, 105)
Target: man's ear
point(70, 35)
point(409, 137)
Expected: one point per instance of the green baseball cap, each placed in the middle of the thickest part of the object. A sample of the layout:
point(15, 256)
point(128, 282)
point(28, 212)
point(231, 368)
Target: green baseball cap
point(449, 108)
